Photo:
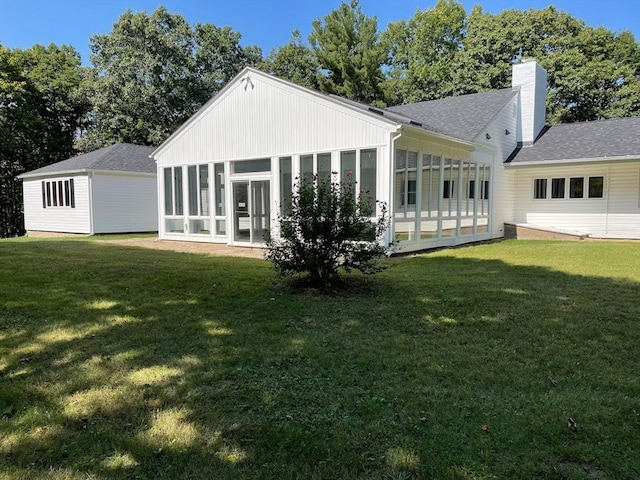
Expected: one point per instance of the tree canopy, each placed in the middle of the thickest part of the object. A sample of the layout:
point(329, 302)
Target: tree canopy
point(347, 48)
point(152, 72)
point(42, 105)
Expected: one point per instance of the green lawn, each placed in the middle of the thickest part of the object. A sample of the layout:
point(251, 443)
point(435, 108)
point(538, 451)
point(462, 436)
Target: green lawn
point(461, 364)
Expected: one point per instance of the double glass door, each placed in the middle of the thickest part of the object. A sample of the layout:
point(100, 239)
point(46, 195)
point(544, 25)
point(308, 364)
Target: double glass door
point(251, 210)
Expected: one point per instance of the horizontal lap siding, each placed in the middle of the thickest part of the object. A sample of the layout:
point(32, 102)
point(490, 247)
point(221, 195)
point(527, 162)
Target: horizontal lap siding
point(617, 214)
point(270, 119)
point(56, 219)
point(123, 203)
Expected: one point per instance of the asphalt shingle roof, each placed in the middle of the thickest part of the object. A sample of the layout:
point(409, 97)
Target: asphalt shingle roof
point(121, 157)
point(615, 137)
point(463, 117)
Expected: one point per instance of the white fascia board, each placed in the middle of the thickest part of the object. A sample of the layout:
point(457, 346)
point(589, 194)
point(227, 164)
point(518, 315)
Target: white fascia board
point(549, 163)
point(53, 174)
point(66, 173)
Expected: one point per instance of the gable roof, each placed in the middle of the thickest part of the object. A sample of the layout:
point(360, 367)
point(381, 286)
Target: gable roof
point(390, 116)
point(462, 117)
point(121, 157)
point(615, 138)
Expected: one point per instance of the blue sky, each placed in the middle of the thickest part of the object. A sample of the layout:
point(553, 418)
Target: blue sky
point(266, 23)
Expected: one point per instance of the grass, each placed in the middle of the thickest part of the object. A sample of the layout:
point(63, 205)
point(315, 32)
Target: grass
point(119, 362)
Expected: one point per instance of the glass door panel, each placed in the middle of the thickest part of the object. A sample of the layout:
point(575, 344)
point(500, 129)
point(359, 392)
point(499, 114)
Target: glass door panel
point(242, 222)
point(260, 211)
point(251, 210)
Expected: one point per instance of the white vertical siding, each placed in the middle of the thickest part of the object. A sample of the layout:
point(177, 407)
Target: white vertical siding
point(617, 214)
point(124, 203)
point(268, 118)
point(56, 219)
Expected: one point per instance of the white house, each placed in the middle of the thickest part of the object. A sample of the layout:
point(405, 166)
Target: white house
point(452, 171)
point(110, 190)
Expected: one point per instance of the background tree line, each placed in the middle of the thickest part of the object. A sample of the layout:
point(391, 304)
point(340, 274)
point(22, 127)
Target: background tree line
point(153, 71)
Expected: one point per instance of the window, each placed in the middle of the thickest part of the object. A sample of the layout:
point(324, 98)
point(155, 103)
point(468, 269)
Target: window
point(484, 194)
point(540, 188)
point(252, 166)
point(219, 199)
point(318, 164)
point(557, 188)
point(576, 187)
point(58, 193)
point(198, 193)
point(410, 196)
point(306, 168)
point(368, 169)
point(173, 199)
point(324, 167)
point(406, 179)
point(286, 190)
point(448, 191)
point(596, 185)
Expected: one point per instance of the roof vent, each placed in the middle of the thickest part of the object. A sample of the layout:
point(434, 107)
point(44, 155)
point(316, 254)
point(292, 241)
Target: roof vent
point(375, 110)
point(413, 122)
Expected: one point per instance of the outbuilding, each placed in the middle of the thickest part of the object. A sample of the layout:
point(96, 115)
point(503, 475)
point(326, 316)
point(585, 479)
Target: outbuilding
point(110, 190)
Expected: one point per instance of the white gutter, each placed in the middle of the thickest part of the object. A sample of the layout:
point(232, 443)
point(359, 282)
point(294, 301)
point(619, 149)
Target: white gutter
point(63, 173)
point(563, 161)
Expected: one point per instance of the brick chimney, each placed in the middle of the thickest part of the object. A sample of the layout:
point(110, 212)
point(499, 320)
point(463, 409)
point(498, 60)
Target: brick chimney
point(531, 79)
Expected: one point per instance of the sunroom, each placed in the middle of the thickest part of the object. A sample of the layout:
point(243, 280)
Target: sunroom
point(229, 171)
point(435, 200)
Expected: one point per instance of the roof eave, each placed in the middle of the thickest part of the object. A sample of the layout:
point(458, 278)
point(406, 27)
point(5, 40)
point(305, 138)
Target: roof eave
point(54, 173)
point(438, 135)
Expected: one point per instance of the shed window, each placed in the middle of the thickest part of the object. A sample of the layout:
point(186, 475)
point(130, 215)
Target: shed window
point(58, 193)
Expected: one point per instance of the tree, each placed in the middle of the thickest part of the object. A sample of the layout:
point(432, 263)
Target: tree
point(42, 105)
point(592, 72)
point(347, 48)
point(152, 72)
point(294, 61)
point(327, 228)
point(421, 52)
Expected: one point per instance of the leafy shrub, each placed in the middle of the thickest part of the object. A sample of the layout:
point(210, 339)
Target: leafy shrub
point(328, 227)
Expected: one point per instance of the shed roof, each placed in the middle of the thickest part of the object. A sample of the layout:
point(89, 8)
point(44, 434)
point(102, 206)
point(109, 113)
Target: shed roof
point(462, 117)
point(600, 139)
point(121, 157)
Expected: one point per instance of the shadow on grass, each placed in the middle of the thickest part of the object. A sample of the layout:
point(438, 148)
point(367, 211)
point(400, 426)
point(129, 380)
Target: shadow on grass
point(126, 363)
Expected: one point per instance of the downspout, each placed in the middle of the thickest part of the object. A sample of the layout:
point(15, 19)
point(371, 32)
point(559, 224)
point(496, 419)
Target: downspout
point(392, 170)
